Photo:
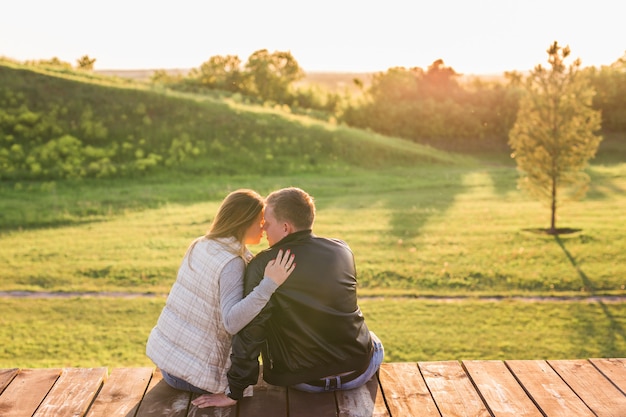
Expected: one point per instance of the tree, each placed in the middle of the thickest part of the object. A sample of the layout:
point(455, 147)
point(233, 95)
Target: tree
point(609, 83)
point(397, 85)
point(86, 63)
point(222, 73)
point(272, 74)
point(439, 82)
point(554, 134)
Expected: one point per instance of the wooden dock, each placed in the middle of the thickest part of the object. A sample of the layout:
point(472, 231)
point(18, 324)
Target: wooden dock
point(515, 388)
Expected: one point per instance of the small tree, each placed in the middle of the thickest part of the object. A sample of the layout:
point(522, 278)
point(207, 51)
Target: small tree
point(554, 134)
point(86, 63)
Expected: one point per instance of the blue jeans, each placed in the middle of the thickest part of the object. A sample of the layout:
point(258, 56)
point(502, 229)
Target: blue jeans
point(181, 384)
point(377, 359)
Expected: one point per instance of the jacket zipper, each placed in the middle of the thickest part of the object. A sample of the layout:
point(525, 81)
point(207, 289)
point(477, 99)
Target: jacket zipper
point(269, 355)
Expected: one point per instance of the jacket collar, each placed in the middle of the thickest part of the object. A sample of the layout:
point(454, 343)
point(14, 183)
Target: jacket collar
point(294, 237)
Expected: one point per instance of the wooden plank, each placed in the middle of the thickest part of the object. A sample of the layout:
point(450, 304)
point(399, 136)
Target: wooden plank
point(122, 393)
point(72, 393)
point(268, 400)
point(510, 388)
point(613, 369)
point(306, 404)
point(365, 401)
point(452, 389)
point(26, 391)
point(6, 376)
point(547, 389)
point(162, 400)
point(500, 390)
point(405, 390)
point(600, 395)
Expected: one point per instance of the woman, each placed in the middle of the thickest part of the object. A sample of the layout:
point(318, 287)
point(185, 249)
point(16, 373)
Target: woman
point(191, 341)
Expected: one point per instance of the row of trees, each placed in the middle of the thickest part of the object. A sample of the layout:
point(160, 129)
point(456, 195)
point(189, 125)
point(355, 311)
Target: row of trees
point(432, 106)
point(83, 63)
point(435, 108)
point(266, 76)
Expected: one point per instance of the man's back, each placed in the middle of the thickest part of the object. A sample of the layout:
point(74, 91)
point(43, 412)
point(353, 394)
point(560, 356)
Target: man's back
point(312, 327)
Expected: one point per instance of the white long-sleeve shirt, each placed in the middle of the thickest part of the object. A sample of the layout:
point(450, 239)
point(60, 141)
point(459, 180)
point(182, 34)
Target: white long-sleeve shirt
point(237, 311)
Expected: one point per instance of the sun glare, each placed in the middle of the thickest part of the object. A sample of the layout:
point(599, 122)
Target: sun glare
point(486, 37)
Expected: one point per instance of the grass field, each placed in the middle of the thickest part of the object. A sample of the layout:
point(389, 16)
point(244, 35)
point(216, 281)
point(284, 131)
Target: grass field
point(90, 332)
point(433, 230)
point(421, 223)
point(430, 231)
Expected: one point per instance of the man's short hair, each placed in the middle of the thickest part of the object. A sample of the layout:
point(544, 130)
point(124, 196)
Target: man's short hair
point(293, 205)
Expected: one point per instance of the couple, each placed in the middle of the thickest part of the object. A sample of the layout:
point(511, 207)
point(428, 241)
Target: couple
point(308, 328)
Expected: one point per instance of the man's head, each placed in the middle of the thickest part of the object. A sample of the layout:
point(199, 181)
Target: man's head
point(288, 210)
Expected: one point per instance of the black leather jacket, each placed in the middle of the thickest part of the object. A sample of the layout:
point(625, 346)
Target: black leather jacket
point(312, 326)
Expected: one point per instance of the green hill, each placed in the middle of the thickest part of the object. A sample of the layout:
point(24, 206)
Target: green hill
point(68, 124)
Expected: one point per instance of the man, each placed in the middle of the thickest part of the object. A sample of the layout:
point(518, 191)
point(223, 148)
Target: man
point(311, 334)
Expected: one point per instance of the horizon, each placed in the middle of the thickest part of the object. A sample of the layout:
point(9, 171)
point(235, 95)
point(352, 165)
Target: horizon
point(486, 37)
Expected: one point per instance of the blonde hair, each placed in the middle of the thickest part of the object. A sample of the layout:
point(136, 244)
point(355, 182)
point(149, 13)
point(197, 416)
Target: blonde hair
point(293, 205)
point(239, 210)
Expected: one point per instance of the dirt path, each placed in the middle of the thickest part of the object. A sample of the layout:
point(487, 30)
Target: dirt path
point(590, 299)
point(74, 294)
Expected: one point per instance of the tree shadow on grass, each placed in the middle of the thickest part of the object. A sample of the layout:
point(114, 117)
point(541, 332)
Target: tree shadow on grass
point(553, 232)
point(603, 185)
point(615, 328)
point(430, 199)
point(587, 283)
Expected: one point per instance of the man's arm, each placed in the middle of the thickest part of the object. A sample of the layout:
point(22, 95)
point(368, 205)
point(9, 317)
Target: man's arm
point(247, 344)
point(244, 370)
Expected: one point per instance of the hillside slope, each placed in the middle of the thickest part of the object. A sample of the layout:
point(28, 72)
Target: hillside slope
point(70, 125)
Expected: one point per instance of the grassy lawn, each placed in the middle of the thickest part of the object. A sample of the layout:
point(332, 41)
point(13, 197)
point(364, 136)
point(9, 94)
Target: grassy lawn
point(429, 230)
point(426, 231)
point(414, 330)
point(112, 332)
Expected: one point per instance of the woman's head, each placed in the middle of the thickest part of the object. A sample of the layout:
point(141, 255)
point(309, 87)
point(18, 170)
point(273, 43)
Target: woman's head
point(236, 216)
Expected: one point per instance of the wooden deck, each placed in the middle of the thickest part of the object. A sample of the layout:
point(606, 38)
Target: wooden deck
point(516, 388)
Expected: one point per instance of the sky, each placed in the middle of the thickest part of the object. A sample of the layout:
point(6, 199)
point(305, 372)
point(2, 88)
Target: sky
point(471, 36)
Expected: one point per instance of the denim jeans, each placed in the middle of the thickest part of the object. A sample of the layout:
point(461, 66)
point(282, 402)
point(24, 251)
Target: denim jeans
point(377, 359)
point(181, 384)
